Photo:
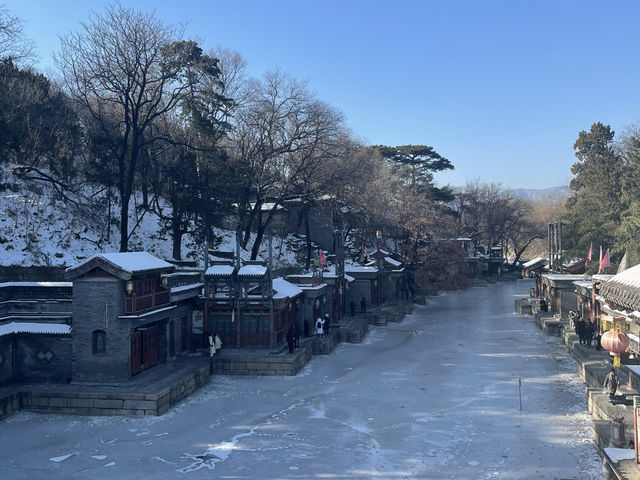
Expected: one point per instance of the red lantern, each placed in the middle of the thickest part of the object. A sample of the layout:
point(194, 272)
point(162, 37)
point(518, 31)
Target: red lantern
point(615, 343)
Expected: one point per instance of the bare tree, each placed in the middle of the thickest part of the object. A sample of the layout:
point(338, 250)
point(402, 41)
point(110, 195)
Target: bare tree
point(14, 46)
point(494, 216)
point(124, 68)
point(281, 130)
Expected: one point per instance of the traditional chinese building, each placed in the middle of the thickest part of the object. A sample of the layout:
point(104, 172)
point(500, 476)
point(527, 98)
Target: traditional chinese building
point(619, 302)
point(560, 292)
point(245, 307)
point(35, 332)
point(124, 318)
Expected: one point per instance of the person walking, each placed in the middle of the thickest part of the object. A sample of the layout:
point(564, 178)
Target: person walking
point(589, 331)
point(363, 305)
point(611, 383)
point(582, 331)
point(352, 308)
point(325, 326)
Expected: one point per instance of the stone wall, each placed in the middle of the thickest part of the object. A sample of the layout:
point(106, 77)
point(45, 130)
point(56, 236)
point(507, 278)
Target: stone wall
point(97, 302)
point(15, 273)
point(42, 358)
point(35, 307)
point(287, 365)
point(100, 403)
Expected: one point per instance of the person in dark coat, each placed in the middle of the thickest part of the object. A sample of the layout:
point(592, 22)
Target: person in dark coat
point(582, 331)
point(296, 335)
point(352, 308)
point(543, 305)
point(363, 305)
point(589, 331)
point(290, 338)
point(611, 383)
point(327, 321)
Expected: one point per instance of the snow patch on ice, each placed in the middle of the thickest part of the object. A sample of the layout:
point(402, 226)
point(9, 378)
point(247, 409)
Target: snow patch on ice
point(62, 458)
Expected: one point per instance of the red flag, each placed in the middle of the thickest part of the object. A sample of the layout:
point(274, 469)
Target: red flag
point(321, 258)
point(605, 262)
point(590, 252)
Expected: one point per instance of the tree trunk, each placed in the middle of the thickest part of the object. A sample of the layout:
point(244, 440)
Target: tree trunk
point(124, 222)
point(307, 234)
point(256, 245)
point(176, 230)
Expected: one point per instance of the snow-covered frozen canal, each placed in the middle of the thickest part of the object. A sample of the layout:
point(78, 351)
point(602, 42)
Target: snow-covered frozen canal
point(433, 397)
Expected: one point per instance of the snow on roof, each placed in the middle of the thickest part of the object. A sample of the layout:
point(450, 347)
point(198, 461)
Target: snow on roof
point(630, 277)
point(219, 270)
point(32, 327)
point(392, 261)
point(602, 277)
point(359, 268)
point(252, 271)
point(36, 284)
point(561, 276)
point(130, 262)
point(183, 288)
point(284, 289)
point(349, 278)
point(533, 262)
point(583, 283)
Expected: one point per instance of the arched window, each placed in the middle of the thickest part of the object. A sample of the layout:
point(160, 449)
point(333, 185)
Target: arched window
point(99, 342)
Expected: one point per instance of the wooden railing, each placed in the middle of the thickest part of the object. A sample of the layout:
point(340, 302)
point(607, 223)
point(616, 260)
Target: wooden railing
point(146, 302)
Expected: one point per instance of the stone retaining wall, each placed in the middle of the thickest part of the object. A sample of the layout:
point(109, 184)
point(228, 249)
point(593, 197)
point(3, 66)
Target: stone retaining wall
point(102, 403)
point(288, 365)
point(10, 404)
point(325, 345)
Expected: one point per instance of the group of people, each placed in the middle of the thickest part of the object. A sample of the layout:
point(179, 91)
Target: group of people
point(214, 344)
point(322, 325)
point(586, 331)
point(363, 306)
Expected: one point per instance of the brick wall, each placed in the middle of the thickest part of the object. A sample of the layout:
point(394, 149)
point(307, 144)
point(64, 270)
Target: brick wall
point(83, 403)
point(97, 303)
point(42, 358)
point(287, 365)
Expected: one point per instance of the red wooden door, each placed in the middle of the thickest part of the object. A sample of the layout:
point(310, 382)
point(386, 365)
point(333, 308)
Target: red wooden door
point(149, 346)
point(136, 352)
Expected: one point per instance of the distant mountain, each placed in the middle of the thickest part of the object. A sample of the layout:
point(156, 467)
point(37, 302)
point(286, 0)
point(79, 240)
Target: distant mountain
point(541, 193)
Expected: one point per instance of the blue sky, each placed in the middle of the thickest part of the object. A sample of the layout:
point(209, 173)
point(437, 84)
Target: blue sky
point(500, 88)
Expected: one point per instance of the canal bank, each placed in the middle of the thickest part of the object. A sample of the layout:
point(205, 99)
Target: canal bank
point(613, 418)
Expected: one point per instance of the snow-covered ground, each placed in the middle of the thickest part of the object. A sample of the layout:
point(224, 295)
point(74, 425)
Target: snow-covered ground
point(433, 397)
point(36, 228)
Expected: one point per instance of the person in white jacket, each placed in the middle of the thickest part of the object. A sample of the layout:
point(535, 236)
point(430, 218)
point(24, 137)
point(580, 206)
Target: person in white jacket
point(214, 344)
point(319, 326)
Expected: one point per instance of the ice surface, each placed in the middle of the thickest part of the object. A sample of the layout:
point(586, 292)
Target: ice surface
point(433, 397)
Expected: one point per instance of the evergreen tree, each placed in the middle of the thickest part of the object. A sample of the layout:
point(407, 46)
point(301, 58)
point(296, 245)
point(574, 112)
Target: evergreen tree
point(594, 209)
